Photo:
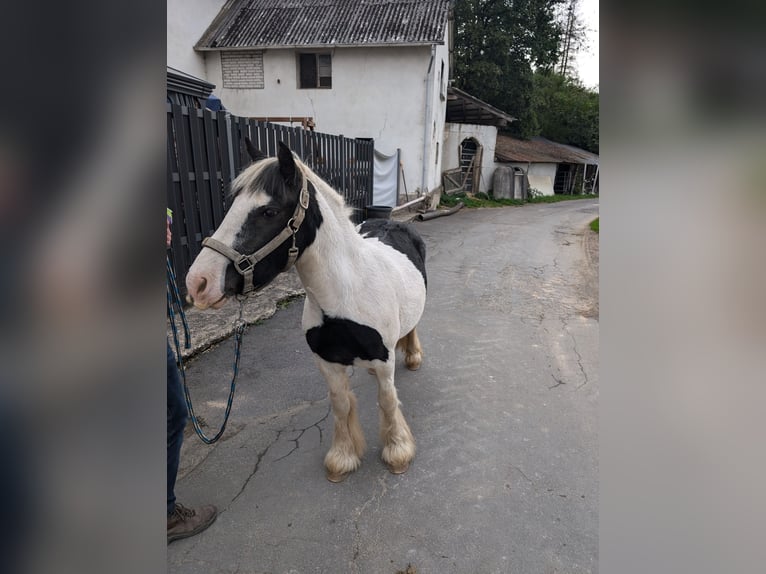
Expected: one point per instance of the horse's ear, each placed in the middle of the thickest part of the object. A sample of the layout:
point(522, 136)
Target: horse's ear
point(254, 153)
point(286, 164)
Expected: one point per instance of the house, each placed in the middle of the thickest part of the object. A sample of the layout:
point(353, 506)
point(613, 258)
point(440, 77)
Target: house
point(550, 167)
point(374, 69)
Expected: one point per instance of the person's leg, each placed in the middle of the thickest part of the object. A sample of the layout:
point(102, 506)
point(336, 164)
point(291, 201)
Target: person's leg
point(176, 424)
point(182, 521)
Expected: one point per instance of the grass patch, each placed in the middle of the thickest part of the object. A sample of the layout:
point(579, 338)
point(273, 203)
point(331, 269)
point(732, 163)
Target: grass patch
point(484, 200)
point(594, 225)
point(285, 303)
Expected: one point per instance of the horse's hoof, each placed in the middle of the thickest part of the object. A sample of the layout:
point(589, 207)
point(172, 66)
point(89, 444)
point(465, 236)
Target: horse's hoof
point(401, 469)
point(337, 477)
point(413, 362)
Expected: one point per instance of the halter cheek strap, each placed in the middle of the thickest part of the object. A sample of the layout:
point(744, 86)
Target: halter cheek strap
point(245, 264)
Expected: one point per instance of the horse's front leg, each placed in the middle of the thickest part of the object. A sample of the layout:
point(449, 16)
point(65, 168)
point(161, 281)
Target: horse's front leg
point(398, 442)
point(348, 443)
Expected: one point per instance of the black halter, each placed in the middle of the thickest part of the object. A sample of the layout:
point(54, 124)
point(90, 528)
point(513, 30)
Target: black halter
point(244, 264)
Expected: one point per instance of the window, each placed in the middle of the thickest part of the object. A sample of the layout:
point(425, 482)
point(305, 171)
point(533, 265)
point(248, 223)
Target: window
point(315, 71)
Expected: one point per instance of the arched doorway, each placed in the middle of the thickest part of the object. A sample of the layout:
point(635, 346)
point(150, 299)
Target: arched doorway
point(470, 164)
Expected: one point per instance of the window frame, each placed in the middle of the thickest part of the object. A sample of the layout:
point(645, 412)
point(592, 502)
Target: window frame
point(317, 85)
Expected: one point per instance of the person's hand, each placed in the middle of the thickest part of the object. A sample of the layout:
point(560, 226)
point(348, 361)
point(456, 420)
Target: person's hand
point(169, 234)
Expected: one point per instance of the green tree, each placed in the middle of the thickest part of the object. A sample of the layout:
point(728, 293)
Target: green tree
point(567, 111)
point(498, 44)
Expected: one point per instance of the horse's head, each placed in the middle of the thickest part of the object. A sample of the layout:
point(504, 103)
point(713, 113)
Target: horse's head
point(272, 218)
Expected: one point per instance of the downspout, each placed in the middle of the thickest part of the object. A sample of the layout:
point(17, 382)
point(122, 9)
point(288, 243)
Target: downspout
point(427, 122)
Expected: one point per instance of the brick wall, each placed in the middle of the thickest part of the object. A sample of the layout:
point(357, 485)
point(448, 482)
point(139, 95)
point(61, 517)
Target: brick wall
point(242, 69)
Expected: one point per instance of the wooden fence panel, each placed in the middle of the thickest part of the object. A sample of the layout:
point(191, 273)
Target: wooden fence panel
point(206, 151)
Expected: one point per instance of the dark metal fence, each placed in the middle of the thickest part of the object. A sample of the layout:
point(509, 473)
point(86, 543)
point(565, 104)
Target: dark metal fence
point(206, 151)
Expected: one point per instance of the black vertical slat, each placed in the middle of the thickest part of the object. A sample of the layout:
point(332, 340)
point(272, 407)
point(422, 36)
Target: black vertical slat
point(225, 146)
point(284, 136)
point(270, 149)
point(213, 168)
point(173, 202)
point(327, 159)
point(262, 137)
point(187, 193)
point(202, 188)
point(300, 135)
point(322, 159)
point(334, 153)
point(237, 143)
point(312, 143)
point(343, 166)
point(371, 173)
point(348, 164)
point(252, 126)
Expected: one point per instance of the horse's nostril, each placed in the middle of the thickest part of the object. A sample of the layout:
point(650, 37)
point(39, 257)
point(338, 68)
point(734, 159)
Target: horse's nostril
point(201, 285)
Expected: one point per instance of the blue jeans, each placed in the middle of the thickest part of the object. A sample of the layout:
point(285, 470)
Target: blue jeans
point(177, 416)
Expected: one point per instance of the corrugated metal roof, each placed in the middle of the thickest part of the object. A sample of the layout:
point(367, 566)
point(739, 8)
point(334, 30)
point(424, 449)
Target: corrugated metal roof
point(463, 108)
point(303, 23)
point(539, 149)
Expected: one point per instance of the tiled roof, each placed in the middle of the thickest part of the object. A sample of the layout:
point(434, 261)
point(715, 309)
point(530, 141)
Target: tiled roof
point(539, 149)
point(303, 23)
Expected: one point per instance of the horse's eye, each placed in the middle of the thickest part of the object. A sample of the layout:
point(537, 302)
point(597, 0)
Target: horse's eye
point(270, 212)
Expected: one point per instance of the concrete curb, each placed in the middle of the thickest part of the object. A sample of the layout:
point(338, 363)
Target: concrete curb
point(210, 326)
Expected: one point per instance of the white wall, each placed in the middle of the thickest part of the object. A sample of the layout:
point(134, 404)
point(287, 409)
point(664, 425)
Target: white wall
point(541, 175)
point(187, 20)
point(439, 80)
point(454, 134)
point(377, 93)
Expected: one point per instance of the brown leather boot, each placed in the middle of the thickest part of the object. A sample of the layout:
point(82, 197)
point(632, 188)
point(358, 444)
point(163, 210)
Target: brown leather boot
point(185, 522)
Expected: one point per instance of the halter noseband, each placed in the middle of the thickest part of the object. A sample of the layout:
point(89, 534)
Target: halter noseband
point(244, 264)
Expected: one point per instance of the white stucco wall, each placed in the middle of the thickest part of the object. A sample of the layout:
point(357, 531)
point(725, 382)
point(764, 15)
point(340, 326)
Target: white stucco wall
point(454, 134)
point(438, 96)
point(187, 20)
point(542, 175)
point(377, 93)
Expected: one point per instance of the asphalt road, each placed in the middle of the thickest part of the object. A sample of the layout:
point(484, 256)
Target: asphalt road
point(504, 412)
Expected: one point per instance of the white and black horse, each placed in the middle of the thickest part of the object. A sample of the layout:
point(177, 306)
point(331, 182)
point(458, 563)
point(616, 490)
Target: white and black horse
point(365, 289)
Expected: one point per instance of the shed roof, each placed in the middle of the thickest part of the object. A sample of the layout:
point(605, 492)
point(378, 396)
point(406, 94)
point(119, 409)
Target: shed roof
point(463, 108)
point(541, 150)
point(313, 23)
point(184, 83)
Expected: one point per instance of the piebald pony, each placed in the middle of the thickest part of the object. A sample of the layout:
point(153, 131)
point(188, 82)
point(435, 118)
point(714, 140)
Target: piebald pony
point(365, 289)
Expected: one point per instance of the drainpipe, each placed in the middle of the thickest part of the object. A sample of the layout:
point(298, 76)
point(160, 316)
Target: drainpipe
point(427, 122)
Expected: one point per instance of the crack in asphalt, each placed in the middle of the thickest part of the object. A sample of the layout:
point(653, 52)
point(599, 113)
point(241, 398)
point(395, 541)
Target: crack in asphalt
point(565, 325)
point(301, 432)
point(522, 473)
point(579, 363)
point(258, 460)
point(559, 382)
point(262, 454)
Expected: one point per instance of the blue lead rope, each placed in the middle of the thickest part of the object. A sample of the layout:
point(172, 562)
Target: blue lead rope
point(175, 301)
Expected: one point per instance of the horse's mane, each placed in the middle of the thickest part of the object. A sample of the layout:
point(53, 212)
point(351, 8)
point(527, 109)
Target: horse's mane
point(265, 174)
point(333, 198)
